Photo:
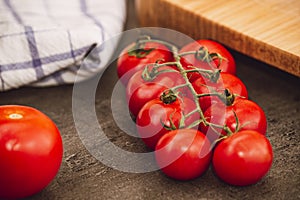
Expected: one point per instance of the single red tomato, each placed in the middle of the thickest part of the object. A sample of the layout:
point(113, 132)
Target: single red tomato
point(31, 151)
point(226, 81)
point(183, 154)
point(242, 114)
point(211, 56)
point(167, 76)
point(243, 158)
point(142, 89)
point(160, 115)
point(135, 56)
point(141, 95)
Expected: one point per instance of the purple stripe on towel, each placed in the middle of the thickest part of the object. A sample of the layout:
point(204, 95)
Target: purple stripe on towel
point(45, 60)
point(36, 61)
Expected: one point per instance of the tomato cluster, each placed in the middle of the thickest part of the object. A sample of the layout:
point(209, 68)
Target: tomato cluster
point(191, 108)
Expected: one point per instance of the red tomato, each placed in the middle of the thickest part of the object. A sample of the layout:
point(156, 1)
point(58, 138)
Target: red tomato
point(250, 116)
point(156, 113)
point(144, 93)
point(167, 76)
point(243, 158)
point(31, 151)
point(225, 81)
point(134, 58)
point(183, 154)
point(209, 49)
point(139, 91)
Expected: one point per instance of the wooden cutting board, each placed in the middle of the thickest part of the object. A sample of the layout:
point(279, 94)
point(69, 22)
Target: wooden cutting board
point(267, 30)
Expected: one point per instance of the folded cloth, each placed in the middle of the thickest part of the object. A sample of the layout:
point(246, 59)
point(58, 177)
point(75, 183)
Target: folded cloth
point(43, 42)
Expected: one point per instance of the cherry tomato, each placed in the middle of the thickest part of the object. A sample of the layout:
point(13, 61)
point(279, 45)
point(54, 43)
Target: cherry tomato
point(31, 151)
point(226, 81)
point(243, 114)
point(157, 116)
point(141, 89)
point(183, 154)
point(135, 56)
point(212, 55)
point(243, 158)
point(167, 76)
point(144, 93)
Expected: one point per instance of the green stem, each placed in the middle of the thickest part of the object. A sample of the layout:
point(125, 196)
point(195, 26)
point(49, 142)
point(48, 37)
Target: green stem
point(188, 84)
point(187, 53)
point(179, 86)
point(221, 96)
point(218, 140)
point(149, 75)
point(167, 64)
point(191, 113)
point(213, 74)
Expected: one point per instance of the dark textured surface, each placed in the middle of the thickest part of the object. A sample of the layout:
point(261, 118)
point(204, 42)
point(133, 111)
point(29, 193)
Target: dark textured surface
point(83, 177)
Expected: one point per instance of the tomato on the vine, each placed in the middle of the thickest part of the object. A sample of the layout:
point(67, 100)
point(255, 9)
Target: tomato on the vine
point(141, 95)
point(243, 158)
point(148, 84)
point(242, 114)
point(211, 55)
point(183, 154)
point(160, 115)
point(135, 56)
point(167, 76)
point(31, 151)
point(185, 102)
point(226, 81)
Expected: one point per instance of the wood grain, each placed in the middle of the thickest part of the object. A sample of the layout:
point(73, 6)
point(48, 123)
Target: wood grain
point(267, 30)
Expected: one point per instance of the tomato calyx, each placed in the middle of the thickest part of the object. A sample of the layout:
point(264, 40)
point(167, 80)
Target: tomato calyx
point(202, 54)
point(205, 56)
point(151, 71)
point(149, 75)
point(228, 97)
point(168, 97)
point(139, 51)
point(214, 76)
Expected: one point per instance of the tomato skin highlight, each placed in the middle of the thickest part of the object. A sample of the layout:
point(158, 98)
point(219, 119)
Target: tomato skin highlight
point(128, 64)
point(31, 151)
point(243, 158)
point(183, 154)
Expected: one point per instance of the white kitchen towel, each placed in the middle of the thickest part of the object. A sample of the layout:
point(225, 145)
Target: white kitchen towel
point(43, 42)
